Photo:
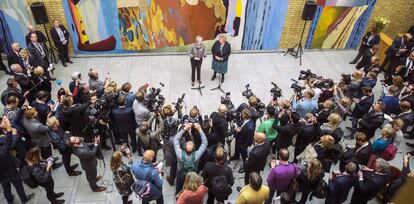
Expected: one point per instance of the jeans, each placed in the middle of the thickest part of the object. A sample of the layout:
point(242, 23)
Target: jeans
point(18, 185)
point(160, 200)
point(195, 67)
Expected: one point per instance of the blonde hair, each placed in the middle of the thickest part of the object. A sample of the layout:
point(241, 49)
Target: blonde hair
point(30, 113)
point(116, 160)
point(38, 71)
point(327, 141)
point(358, 75)
point(334, 119)
point(397, 122)
point(192, 182)
point(52, 122)
point(388, 132)
point(24, 51)
point(314, 169)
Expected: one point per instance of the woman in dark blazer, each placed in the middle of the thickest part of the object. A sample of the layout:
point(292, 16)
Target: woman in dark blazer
point(26, 60)
point(221, 51)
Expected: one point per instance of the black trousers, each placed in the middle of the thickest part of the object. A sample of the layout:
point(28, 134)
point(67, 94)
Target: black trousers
point(22, 146)
point(160, 200)
point(211, 198)
point(63, 53)
point(49, 188)
point(91, 177)
point(3, 67)
point(195, 67)
point(18, 185)
point(123, 137)
point(46, 152)
point(66, 155)
point(240, 149)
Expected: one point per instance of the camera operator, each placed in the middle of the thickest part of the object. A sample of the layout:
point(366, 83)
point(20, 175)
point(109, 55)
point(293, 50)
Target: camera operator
point(287, 132)
point(151, 138)
point(308, 134)
point(75, 117)
point(98, 116)
point(123, 119)
point(307, 104)
point(38, 134)
point(188, 158)
point(266, 125)
point(327, 90)
point(87, 154)
point(254, 113)
point(96, 84)
point(244, 132)
point(220, 123)
point(170, 130)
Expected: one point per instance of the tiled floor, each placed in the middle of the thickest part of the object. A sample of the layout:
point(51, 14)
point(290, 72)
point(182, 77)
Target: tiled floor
point(174, 71)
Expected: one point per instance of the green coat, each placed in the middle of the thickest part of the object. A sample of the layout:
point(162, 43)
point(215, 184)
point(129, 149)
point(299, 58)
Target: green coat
point(266, 128)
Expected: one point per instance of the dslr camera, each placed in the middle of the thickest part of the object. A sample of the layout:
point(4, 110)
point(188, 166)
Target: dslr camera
point(154, 100)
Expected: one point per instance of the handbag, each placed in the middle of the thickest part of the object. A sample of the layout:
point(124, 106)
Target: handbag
point(123, 180)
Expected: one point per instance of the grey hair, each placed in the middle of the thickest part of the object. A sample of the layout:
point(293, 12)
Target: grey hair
point(382, 166)
point(14, 67)
point(75, 75)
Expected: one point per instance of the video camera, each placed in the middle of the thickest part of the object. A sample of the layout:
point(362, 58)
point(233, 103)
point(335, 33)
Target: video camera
point(276, 91)
point(248, 92)
point(296, 86)
point(260, 106)
point(306, 75)
point(232, 112)
point(154, 100)
point(179, 105)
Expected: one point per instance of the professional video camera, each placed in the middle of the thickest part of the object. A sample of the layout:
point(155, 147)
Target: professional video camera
point(346, 78)
point(306, 75)
point(232, 112)
point(297, 88)
point(276, 91)
point(260, 106)
point(323, 83)
point(154, 100)
point(179, 106)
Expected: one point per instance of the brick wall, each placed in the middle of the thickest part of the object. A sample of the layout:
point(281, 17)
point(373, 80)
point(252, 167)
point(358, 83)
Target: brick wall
point(54, 10)
point(293, 25)
point(399, 12)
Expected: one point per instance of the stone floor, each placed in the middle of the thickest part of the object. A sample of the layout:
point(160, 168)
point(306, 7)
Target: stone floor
point(257, 69)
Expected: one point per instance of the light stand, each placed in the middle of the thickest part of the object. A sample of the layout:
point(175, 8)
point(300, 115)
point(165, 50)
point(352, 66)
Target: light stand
point(219, 86)
point(199, 88)
point(51, 52)
point(299, 52)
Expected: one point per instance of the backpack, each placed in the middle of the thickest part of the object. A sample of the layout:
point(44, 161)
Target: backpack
point(188, 165)
point(389, 153)
point(146, 190)
point(28, 178)
point(321, 190)
point(220, 187)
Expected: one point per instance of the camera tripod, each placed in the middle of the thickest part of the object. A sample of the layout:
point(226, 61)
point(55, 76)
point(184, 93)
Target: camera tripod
point(219, 86)
point(199, 88)
point(299, 52)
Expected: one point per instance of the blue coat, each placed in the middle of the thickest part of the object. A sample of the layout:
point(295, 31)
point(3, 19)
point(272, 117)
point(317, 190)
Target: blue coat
point(140, 170)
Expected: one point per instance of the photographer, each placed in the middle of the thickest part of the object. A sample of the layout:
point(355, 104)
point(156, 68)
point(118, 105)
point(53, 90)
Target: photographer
point(323, 112)
point(341, 102)
point(220, 123)
point(8, 165)
point(75, 117)
point(38, 134)
point(305, 105)
point(327, 86)
point(266, 125)
point(170, 129)
point(244, 132)
point(123, 119)
point(193, 117)
point(151, 138)
point(87, 154)
point(122, 173)
point(59, 137)
point(95, 83)
point(40, 171)
point(140, 110)
point(98, 116)
point(287, 132)
point(284, 111)
point(188, 158)
point(308, 134)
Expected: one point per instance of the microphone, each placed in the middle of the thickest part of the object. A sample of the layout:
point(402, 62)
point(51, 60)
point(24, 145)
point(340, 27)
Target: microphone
point(162, 85)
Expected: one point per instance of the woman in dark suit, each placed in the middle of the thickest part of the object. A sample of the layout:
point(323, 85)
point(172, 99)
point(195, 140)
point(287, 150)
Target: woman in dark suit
point(27, 61)
point(221, 51)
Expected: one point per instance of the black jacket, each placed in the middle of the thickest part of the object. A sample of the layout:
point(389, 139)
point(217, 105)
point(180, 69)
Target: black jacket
point(363, 154)
point(339, 188)
point(33, 63)
point(75, 118)
point(407, 118)
point(55, 36)
point(285, 133)
point(410, 99)
point(366, 43)
point(225, 53)
point(40, 37)
point(370, 122)
point(124, 119)
point(212, 169)
point(397, 44)
point(25, 82)
point(87, 156)
point(42, 110)
point(257, 157)
point(37, 54)
point(12, 58)
point(220, 126)
point(366, 59)
point(363, 107)
point(246, 134)
point(368, 188)
point(308, 134)
point(8, 163)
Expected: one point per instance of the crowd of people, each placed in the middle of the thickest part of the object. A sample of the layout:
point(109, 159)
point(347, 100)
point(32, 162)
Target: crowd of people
point(87, 118)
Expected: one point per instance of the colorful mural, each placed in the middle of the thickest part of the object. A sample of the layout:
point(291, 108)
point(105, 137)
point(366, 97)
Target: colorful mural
point(339, 26)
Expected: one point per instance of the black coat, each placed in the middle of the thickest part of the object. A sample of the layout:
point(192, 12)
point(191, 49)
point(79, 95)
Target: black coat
point(397, 44)
point(366, 43)
point(410, 99)
point(25, 82)
point(34, 52)
point(12, 58)
point(55, 36)
point(33, 63)
point(225, 53)
point(246, 134)
point(42, 110)
point(8, 163)
point(339, 188)
point(366, 59)
point(407, 118)
point(308, 134)
point(220, 126)
point(124, 119)
point(362, 156)
point(370, 122)
point(285, 133)
point(363, 107)
point(368, 188)
point(87, 156)
point(75, 118)
point(212, 169)
point(40, 37)
point(257, 158)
